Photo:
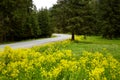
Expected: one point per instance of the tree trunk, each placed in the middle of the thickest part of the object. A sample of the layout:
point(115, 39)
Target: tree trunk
point(73, 36)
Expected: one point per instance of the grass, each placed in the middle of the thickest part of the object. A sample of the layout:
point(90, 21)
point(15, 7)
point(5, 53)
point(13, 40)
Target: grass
point(91, 44)
point(96, 43)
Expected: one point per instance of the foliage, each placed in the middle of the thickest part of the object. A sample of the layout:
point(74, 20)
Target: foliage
point(56, 64)
point(19, 20)
point(109, 17)
point(44, 23)
point(76, 17)
point(58, 20)
point(88, 17)
point(13, 16)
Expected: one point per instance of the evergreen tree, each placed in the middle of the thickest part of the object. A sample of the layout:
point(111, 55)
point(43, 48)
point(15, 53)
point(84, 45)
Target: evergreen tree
point(110, 17)
point(32, 29)
point(18, 20)
point(58, 15)
point(13, 15)
point(75, 15)
point(44, 23)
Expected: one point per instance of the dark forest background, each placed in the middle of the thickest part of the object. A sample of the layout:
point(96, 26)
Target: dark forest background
point(20, 20)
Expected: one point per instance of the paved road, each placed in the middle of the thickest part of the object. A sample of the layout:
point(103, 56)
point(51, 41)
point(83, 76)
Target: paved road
point(28, 44)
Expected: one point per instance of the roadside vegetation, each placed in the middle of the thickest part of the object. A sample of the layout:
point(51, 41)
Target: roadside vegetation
point(66, 60)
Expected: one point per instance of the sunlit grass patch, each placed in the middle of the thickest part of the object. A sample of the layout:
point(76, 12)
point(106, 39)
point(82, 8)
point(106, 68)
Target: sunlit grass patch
point(95, 43)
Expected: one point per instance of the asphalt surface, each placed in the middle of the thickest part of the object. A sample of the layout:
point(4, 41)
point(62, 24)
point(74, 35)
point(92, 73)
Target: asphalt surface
point(28, 44)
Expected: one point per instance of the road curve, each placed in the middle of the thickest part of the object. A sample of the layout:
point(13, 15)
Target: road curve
point(28, 44)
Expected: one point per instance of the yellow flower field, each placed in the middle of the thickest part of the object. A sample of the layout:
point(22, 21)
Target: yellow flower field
point(29, 64)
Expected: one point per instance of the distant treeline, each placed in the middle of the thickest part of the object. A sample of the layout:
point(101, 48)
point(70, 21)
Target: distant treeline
point(20, 20)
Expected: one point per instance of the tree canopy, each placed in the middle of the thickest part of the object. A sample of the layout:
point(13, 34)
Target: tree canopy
point(88, 17)
point(110, 17)
point(19, 20)
point(74, 16)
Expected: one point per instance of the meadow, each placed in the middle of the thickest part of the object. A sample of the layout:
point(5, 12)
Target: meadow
point(91, 59)
point(91, 44)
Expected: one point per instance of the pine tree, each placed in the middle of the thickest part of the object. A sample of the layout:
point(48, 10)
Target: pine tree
point(13, 15)
point(18, 20)
point(74, 16)
point(110, 17)
point(44, 23)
